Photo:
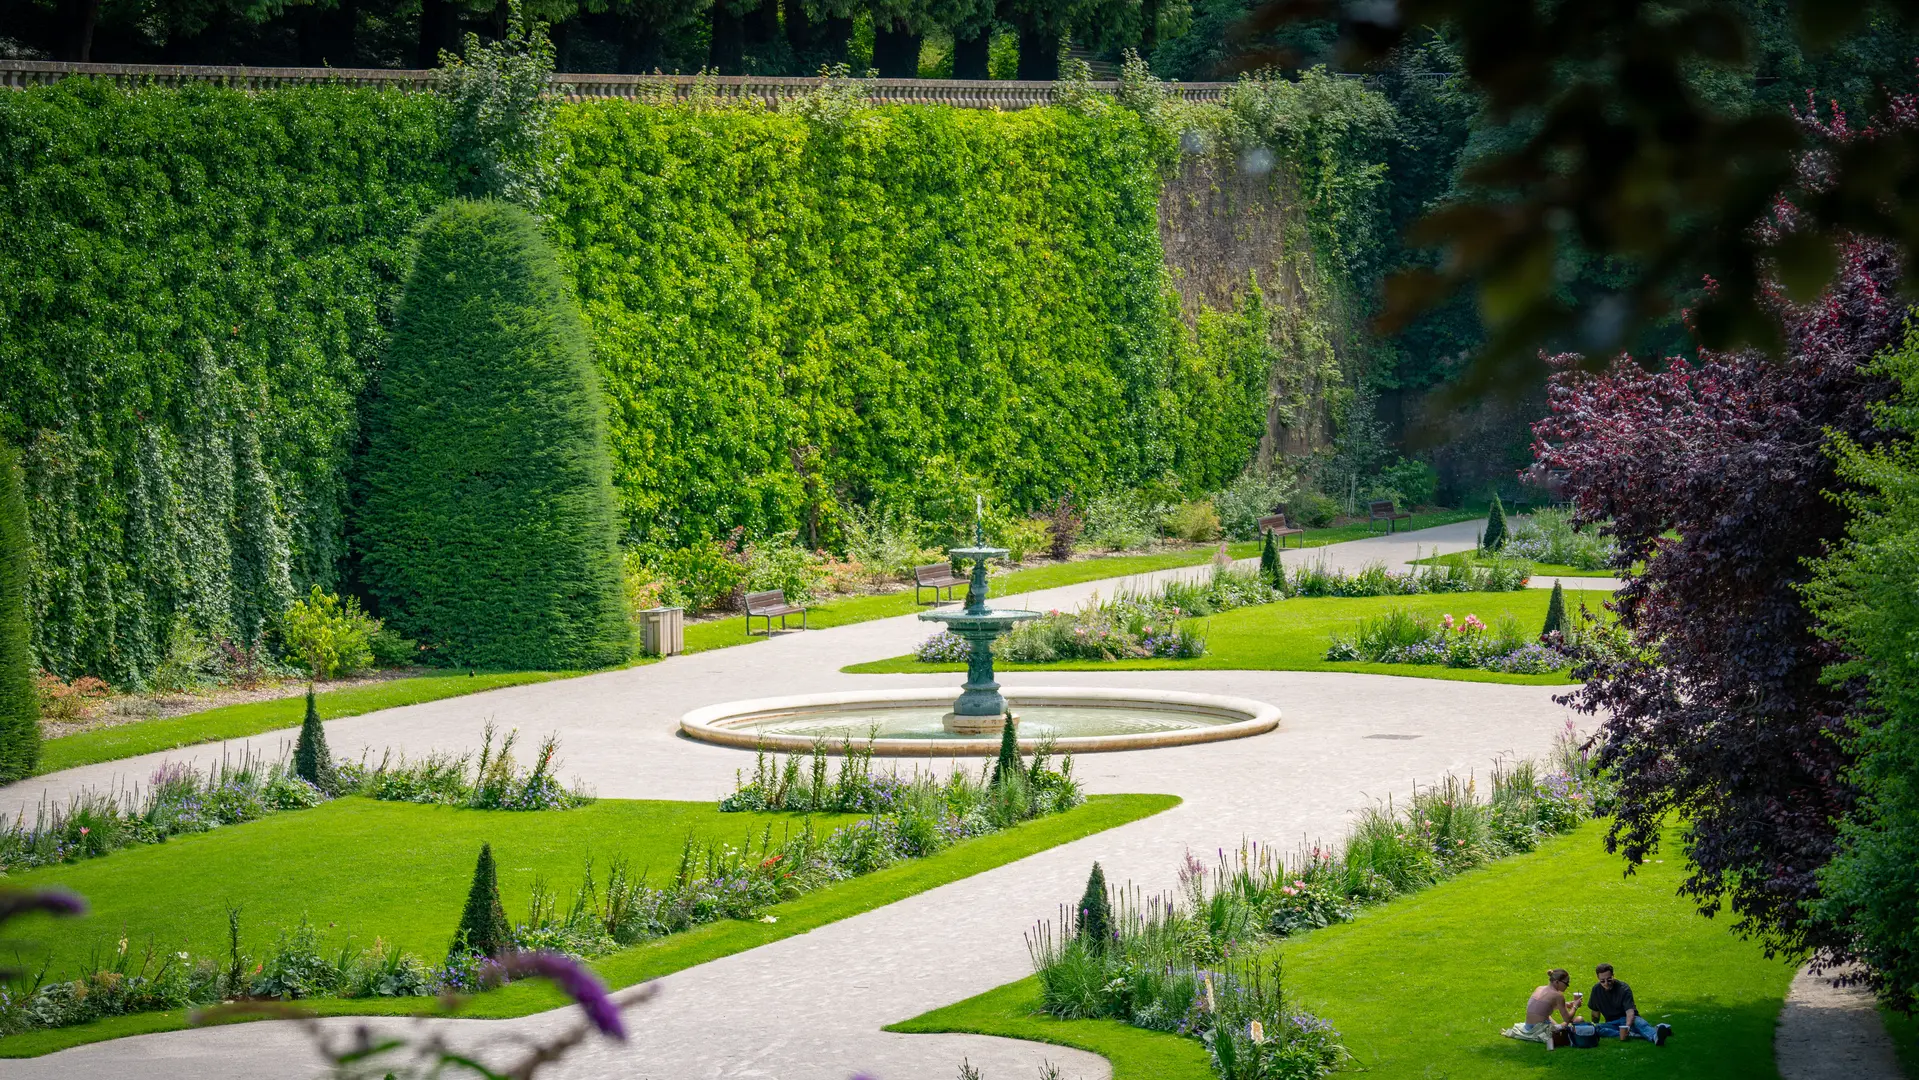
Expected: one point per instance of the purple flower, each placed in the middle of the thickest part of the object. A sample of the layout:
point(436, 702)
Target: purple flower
point(574, 980)
point(52, 901)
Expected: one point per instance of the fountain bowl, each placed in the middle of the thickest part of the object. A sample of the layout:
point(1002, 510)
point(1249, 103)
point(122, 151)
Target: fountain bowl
point(1082, 720)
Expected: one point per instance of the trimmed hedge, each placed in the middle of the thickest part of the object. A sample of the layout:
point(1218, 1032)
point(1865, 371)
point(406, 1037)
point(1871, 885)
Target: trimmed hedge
point(19, 701)
point(194, 286)
point(486, 523)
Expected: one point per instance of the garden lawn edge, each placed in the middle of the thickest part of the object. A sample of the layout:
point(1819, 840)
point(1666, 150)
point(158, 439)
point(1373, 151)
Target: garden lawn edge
point(693, 947)
point(258, 717)
point(1012, 1012)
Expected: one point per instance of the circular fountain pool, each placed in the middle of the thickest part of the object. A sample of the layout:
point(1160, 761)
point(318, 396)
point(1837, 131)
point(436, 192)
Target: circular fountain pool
point(911, 722)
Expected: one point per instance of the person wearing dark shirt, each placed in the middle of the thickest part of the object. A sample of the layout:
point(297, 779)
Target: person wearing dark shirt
point(1616, 1014)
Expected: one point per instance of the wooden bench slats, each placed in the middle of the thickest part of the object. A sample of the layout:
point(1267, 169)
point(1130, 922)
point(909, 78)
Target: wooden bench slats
point(1384, 510)
point(767, 605)
point(1276, 524)
point(937, 577)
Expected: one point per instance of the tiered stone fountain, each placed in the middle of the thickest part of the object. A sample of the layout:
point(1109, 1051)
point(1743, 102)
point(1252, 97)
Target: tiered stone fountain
point(981, 708)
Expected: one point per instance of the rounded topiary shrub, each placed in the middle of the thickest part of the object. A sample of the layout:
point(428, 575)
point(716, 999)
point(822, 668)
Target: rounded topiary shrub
point(486, 520)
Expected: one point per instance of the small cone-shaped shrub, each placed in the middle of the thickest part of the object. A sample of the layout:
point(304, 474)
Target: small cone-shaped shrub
point(312, 761)
point(1096, 912)
point(19, 700)
point(1555, 612)
point(483, 926)
point(1495, 537)
point(1269, 559)
point(487, 524)
point(1008, 762)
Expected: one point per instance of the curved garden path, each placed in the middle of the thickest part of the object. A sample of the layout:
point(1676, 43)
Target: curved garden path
point(811, 1007)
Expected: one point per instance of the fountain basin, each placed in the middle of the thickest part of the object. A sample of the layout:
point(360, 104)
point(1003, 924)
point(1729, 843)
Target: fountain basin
point(910, 723)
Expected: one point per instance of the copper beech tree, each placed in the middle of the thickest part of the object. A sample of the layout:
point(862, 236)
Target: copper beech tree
point(1715, 473)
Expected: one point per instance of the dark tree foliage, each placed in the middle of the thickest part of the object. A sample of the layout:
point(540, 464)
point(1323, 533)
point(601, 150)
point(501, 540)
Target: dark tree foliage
point(1269, 558)
point(1718, 717)
point(484, 928)
point(312, 760)
point(1008, 763)
point(486, 526)
point(1096, 912)
point(1495, 536)
point(19, 701)
point(1555, 612)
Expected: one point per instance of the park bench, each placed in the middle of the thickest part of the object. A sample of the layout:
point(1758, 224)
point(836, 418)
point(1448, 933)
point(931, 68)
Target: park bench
point(765, 605)
point(1276, 524)
point(1383, 510)
point(937, 577)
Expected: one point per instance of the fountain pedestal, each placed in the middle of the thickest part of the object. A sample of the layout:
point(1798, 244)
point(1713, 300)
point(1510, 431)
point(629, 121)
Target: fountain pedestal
point(980, 709)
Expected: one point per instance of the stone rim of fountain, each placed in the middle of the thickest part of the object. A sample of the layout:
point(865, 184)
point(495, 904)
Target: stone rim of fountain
point(709, 724)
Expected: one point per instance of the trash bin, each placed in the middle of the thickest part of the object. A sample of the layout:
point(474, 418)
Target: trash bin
point(663, 631)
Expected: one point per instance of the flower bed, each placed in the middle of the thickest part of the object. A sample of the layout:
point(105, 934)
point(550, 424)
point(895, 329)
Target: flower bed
point(180, 799)
point(1195, 962)
point(1399, 637)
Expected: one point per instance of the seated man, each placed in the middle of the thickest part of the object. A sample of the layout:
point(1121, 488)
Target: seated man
point(1616, 1014)
point(1539, 1009)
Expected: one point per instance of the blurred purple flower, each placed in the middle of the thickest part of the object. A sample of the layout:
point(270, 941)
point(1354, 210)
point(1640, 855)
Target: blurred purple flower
point(15, 902)
point(574, 980)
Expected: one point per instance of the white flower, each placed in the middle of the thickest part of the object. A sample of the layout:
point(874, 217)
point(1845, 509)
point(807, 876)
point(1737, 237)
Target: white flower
point(769, 918)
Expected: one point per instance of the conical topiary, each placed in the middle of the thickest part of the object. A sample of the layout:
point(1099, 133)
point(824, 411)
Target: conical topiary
point(19, 700)
point(486, 521)
point(1555, 612)
point(483, 926)
point(1269, 559)
point(1096, 912)
point(1008, 762)
point(1495, 537)
point(312, 761)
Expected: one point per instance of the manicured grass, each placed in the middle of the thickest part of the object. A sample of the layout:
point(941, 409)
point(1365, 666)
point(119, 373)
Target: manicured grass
point(252, 718)
point(1012, 1011)
point(1421, 987)
point(1292, 635)
point(721, 633)
point(1540, 569)
point(411, 893)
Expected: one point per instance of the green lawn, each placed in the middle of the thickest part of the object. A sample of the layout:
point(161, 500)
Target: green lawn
point(1292, 635)
point(724, 632)
point(399, 871)
point(1904, 1030)
point(1420, 987)
point(1540, 569)
point(1012, 1011)
point(252, 718)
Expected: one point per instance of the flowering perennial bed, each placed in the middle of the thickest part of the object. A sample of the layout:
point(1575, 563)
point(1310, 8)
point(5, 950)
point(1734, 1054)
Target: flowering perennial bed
point(1398, 637)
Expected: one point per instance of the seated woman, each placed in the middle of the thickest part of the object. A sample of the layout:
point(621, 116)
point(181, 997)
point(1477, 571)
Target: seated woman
point(1540, 1007)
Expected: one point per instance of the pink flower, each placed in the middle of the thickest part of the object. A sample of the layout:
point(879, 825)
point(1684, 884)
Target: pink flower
point(84, 830)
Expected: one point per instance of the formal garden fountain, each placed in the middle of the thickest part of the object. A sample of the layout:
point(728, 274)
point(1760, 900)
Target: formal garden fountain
point(929, 722)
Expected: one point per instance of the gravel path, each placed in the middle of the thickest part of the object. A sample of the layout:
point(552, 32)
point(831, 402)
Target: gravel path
point(1829, 1032)
point(811, 1007)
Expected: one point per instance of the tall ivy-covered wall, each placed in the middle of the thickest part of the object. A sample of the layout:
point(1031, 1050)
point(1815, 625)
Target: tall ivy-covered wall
point(794, 313)
point(797, 314)
point(194, 289)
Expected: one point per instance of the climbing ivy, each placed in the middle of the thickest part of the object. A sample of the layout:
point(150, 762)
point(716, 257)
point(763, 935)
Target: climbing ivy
point(193, 290)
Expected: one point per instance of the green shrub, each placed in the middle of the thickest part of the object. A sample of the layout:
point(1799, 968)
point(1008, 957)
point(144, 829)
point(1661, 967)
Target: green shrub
point(488, 528)
point(1414, 483)
point(1494, 537)
point(1095, 914)
point(1022, 537)
point(19, 696)
point(1555, 612)
point(1242, 503)
point(1195, 521)
point(702, 576)
point(328, 636)
point(1269, 560)
point(784, 564)
point(1121, 521)
point(1009, 760)
point(484, 929)
point(1311, 508)
point(312, 760)
point(390, 650)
